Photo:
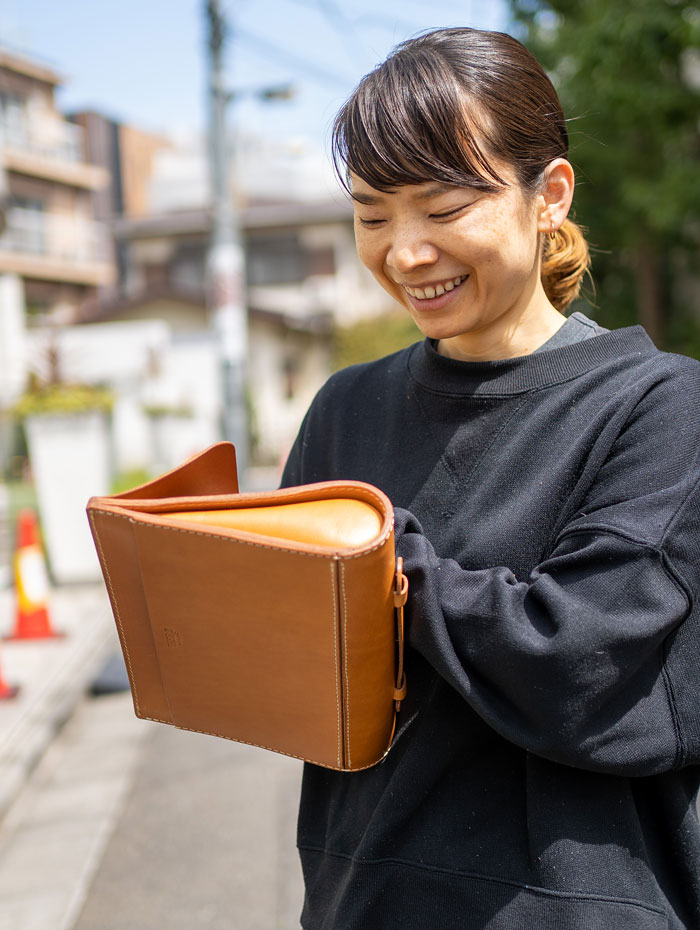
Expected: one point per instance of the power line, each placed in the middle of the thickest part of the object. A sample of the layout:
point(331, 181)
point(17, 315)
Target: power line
point(343, 26)
point(276, 53)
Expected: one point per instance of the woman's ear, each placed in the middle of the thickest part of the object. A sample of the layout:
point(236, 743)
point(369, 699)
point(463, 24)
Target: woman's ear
point(556, 195)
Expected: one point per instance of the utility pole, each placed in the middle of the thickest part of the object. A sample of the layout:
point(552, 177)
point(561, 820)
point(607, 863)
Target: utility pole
point(225, 263)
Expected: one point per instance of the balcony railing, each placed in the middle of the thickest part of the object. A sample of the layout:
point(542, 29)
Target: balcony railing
point(61, 238)
point(47, 137)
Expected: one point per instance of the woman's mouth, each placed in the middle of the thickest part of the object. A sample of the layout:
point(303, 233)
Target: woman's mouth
point(435, 290)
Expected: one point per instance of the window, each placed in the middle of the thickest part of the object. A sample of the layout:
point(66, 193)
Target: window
point(276, 259)
point(13, 126)
point(26, 226)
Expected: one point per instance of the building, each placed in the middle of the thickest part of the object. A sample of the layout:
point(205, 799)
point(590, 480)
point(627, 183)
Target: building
point(300, 253)
point(302, 276)
point(89, 242)
point(51, 240)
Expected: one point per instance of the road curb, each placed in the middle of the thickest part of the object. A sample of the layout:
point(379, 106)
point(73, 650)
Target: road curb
point(53, 676)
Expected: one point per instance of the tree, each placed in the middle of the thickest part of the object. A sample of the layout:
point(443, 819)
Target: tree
point(373, 338)
point(628, 74)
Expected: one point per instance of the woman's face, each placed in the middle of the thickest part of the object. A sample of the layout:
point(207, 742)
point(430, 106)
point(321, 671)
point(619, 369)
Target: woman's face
point(464, 263)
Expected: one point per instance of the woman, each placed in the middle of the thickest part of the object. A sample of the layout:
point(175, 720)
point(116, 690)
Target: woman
point(545, 475)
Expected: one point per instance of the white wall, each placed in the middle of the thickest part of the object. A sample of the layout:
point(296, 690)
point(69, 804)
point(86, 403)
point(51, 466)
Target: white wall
point(13, 347)
point(102, 352)
point(277, 416)
point(147, 368)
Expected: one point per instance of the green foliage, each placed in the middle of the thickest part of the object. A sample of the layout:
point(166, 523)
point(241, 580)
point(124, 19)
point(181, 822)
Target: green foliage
point(127, 480)
point(156, 411)
point(373, 338)
point(63, 399)
point(628, 74)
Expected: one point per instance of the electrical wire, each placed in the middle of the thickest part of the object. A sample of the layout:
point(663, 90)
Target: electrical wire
point(340, 23)
point(271, 51)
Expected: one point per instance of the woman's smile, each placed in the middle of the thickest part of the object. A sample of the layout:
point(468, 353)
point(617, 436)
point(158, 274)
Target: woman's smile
point(464, 263)
point(430, 291)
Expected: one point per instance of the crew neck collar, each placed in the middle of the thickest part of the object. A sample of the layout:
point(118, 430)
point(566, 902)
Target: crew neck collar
point(526, 372)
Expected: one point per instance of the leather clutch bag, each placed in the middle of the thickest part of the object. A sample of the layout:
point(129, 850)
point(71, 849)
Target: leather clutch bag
point(271, 618)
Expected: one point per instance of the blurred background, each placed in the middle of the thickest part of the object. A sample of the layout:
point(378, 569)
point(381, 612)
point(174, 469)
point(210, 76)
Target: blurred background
point(176, 258)
point(177, 266)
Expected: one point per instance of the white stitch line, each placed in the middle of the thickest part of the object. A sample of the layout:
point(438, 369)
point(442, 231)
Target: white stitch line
point(245, 542)
point(247, 742)
point(345, 662)
point(224, 498)
point(132, 679)
point(335, 663)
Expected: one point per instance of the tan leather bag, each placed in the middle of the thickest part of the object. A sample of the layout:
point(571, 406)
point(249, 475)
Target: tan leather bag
point(274, 619)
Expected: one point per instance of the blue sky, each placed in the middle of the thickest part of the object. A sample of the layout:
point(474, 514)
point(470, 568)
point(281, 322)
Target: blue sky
point(142, 61)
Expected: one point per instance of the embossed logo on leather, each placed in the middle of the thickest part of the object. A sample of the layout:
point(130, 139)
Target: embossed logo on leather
point(172, 637)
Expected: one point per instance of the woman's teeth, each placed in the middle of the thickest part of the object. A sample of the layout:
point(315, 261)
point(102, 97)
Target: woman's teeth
point(426, 293)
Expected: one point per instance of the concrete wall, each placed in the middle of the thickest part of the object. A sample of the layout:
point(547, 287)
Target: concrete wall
point(167, 385)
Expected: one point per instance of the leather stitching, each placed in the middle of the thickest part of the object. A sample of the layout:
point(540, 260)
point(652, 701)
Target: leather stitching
point(247, 542)
point(144, 503)
point(322, 555)
point(280, 752)
point(338, 703)
point(117, 614)
point(345, 662)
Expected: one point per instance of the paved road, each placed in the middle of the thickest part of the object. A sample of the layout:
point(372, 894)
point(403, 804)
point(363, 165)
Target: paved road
point(131, 825)
point(205, 840)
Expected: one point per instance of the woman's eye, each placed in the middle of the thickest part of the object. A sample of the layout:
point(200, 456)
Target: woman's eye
point(369, 222)
point(448, 213)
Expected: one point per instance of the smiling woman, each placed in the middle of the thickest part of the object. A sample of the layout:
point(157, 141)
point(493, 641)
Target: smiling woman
point(466, 263)
point(545, 480)
point(471, 146)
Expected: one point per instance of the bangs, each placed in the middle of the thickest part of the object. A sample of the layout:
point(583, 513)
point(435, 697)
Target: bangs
point(410, 123)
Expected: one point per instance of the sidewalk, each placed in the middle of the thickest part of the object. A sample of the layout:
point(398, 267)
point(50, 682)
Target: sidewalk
point(52, 676)
point(108, 822)
point(57, 806)
point(54, 835)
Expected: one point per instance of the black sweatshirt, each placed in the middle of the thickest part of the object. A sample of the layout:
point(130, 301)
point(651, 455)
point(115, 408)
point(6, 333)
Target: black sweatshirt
point(546, 764)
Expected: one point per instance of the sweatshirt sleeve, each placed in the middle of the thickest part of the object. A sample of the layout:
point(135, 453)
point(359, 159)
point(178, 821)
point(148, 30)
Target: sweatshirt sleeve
point(594, 660)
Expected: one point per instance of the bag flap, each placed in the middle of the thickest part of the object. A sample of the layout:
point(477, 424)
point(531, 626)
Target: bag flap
point(341, 521)
point(212, 471)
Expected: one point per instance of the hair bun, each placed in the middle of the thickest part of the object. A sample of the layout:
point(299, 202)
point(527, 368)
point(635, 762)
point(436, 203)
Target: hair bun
point(565, 262)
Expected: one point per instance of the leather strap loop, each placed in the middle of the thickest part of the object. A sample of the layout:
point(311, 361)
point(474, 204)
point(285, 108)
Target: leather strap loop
point(400, 598)
point(400, 585)
point(400, 692)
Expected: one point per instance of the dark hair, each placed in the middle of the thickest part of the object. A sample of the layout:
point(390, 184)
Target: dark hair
point(444, 107)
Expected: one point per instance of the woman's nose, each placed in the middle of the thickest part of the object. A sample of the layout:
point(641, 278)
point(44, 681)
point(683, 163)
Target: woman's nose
point(409, 251)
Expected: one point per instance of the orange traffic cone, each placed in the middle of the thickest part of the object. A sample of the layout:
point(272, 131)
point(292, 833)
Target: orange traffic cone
point(31, 583)
point(7, 690)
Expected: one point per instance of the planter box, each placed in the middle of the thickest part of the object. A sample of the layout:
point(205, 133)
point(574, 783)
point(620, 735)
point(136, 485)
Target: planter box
point(70, 461)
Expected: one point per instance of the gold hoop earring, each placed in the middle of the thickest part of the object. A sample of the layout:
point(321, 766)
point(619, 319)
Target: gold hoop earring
point(552, 232)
